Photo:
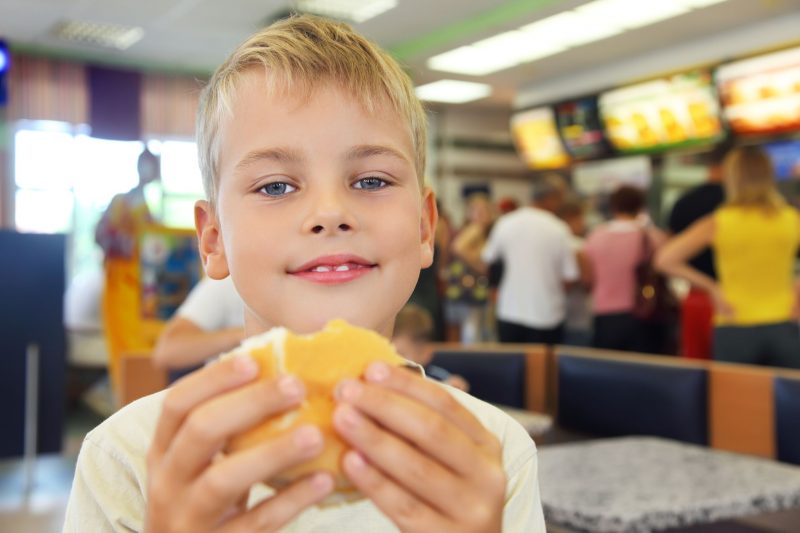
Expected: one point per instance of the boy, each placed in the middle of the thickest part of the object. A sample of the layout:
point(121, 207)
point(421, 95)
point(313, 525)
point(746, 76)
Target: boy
point(311, 144)
point(412, 333)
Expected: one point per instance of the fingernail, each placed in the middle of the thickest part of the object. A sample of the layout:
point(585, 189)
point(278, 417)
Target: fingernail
point(347, 416)
point(355, 460)
point(377, 371)
point(348, 390)
point(245, 366)
point(307, 437)
point(290, 386)
point(321, 482)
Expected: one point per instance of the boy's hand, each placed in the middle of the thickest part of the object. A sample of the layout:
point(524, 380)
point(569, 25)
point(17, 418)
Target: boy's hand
point(192, 487)
point(420, 456)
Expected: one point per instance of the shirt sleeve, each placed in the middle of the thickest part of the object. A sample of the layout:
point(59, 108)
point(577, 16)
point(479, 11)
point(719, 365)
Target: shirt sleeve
point(204, 305)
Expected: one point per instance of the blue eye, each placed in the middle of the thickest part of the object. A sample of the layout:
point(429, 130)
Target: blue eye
point(278, 188)
point(370, 183)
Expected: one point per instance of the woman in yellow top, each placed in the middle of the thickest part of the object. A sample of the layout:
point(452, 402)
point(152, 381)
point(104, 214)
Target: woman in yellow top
point(755, 236)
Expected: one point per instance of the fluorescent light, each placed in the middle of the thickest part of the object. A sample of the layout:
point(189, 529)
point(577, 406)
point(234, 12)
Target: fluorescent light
point(631, 13)
point(588, 23)
point(352, 10)
point(570, 29)
point(453, 91)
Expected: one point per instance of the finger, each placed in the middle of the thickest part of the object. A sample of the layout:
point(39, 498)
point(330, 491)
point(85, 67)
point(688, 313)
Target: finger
point(211, 424)
point(429, 393)
point(406, 511)
point(225, 482)
point(279, 510)
point(413, 421)
point(195, 389)
point(404, 464)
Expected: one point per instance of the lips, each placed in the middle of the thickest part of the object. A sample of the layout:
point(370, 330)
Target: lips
point(334, 269)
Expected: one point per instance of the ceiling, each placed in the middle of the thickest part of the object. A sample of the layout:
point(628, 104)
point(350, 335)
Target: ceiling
point(196, 35)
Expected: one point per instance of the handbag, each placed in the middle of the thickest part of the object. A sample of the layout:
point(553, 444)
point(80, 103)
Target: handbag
point(654, 300)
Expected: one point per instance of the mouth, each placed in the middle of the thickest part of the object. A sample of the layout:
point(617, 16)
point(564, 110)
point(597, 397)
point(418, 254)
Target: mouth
point(334, 269)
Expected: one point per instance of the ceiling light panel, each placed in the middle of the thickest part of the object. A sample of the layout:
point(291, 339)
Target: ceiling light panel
point(351, 10)
point(98, 34)
point(453, 91)
point(631, 13)
point(569, 29)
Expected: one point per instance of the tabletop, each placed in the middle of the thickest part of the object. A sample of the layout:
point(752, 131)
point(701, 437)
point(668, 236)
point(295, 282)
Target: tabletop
point(648, 483)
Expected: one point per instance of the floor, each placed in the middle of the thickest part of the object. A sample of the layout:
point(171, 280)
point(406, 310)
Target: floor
point(42, 509)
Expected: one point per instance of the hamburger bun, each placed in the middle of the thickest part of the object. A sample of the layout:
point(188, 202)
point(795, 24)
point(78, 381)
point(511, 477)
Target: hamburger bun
point(321, 361)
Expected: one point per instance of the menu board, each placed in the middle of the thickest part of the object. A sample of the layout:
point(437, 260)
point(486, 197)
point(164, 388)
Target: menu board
point(537, 140)
point(581, 129)
point(673, 112)
point(785, 157)
point(762, 95)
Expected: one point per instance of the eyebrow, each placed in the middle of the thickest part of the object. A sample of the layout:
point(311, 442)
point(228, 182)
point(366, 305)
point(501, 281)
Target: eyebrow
point(279, 155)
point(368, 150)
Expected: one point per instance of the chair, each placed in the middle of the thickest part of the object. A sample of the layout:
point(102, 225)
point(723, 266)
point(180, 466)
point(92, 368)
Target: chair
point(493, 377)
point(615, 397)
point(787, 419)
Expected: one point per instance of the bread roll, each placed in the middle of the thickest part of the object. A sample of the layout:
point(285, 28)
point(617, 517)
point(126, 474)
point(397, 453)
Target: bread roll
point(321, 361)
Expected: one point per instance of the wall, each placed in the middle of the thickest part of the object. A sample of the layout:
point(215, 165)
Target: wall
point(471, 147)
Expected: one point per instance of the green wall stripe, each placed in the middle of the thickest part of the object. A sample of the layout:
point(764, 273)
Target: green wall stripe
point(507, 12)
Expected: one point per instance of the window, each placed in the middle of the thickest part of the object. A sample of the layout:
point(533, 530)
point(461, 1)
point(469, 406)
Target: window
point(65, 179)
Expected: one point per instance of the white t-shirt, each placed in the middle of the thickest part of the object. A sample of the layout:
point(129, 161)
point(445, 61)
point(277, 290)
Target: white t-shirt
point(535, 248)
point(213, 305)
point(108, 492)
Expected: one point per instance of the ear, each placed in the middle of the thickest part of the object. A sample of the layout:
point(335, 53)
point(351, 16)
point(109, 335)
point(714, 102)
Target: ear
point(209, 237)
point(427, 226)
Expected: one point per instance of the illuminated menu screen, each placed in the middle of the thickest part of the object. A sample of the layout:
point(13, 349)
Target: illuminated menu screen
point(762, 95)
point(673, 112)
point(537, 140)
point(581, 129)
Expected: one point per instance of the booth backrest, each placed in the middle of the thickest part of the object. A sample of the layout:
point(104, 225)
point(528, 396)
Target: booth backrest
point(787, 418)
point(611, 397)
point(493, 377)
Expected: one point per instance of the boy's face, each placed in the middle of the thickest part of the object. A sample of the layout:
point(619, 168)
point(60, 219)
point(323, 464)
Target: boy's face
point(320, 213)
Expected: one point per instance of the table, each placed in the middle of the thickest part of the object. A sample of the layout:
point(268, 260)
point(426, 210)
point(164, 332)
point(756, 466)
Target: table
point(534, 423)
point(647, 483)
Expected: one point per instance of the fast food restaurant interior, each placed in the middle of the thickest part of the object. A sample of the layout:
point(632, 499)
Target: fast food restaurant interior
point(625, 172)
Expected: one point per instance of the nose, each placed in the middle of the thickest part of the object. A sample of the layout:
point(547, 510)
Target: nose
point(331, 214)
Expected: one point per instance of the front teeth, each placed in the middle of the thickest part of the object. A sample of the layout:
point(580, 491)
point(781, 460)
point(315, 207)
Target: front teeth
point(322, 268)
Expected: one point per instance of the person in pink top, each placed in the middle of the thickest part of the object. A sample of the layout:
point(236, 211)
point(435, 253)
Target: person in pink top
point(613, 251)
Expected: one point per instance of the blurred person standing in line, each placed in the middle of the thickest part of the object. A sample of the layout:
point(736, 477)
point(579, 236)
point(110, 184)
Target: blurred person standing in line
point(614, 250)
point(697, 309)
point(538, 261)
point(467, 289)
point(117, 233)
point(755, 236)
point(578, 326)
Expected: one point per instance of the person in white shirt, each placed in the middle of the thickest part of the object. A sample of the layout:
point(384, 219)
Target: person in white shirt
point(208, 323)
point(535, 248)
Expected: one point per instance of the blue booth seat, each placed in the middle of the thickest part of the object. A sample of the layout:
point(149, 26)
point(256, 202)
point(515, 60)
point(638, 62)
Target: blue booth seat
point(493, 377)
point(787, 419)
point(613, 398)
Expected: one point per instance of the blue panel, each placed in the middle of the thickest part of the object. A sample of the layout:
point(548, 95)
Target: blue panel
point(31, 311)
point(612, 398)
point(787, 419)
point(493, 377)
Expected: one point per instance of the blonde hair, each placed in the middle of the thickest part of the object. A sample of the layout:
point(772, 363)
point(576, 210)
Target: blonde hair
point(750, 180)
point(414, 321)
point(299, 54)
